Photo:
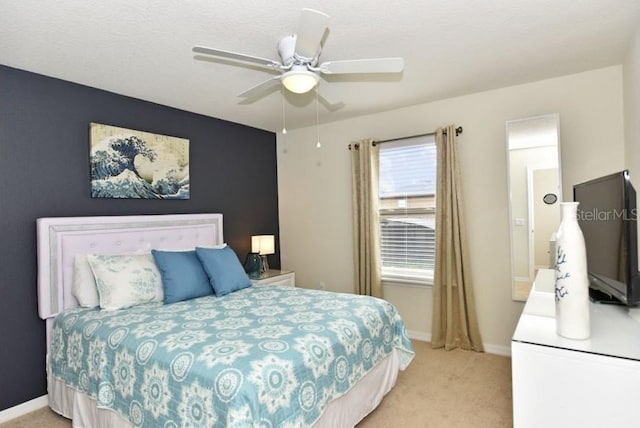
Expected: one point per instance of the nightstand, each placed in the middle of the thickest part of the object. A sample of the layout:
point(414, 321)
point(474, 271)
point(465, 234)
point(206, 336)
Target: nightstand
point(274, 277)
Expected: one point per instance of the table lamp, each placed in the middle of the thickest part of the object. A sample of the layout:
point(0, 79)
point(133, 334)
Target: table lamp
point(263, 245)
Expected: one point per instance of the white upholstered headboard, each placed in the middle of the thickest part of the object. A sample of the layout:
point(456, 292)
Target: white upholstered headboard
point(61, 238)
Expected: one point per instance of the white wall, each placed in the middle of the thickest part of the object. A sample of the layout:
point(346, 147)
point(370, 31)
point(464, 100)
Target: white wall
point(632, 108)
point(314, 185)
point(631, 112)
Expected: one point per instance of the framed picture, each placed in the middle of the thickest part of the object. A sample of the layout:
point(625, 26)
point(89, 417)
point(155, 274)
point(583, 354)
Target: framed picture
point(131, 164)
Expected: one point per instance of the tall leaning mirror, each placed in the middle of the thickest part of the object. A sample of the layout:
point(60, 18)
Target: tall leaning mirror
point(535, 186)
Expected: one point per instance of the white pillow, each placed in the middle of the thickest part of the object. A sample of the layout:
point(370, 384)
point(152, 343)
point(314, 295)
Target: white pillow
point(126, 280)
point(83, 286)
point(217, 246)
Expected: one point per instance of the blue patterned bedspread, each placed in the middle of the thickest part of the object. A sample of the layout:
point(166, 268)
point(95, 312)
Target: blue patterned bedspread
point(260, 357)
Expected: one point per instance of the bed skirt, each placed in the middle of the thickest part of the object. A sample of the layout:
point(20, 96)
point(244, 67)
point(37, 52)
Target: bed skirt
point(345, 411)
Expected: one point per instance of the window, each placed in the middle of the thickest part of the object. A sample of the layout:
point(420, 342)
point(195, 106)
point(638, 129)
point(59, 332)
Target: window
point(407, 190)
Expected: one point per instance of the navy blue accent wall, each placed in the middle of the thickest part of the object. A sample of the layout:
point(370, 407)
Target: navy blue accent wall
point(44, 172)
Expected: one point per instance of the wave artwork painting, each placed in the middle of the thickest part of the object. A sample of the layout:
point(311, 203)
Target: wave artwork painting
point(137, 165)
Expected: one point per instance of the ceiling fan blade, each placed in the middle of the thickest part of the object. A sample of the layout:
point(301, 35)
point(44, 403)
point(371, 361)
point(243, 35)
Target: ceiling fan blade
point(237, 56)
point(373, 65)
point(260, 88)
point(328, 96)
point(329, 102)
point(310, 31)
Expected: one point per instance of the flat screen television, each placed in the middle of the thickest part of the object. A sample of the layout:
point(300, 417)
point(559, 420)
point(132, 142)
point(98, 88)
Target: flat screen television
point(607, 216)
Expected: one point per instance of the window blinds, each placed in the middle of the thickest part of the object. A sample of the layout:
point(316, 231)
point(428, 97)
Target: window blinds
point(407, 209)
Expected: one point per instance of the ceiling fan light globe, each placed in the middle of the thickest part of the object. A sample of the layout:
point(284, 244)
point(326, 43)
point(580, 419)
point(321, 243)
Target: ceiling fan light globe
point(299, 81)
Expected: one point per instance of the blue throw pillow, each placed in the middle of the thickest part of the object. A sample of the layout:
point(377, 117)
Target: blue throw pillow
point(225, 272)
point(183, 277)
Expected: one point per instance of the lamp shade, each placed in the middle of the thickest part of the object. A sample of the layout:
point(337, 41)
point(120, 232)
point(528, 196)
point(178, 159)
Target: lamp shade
point(299, 80)
point(263, 244)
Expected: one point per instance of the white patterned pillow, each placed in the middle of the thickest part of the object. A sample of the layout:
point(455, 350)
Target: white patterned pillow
point(126, 280)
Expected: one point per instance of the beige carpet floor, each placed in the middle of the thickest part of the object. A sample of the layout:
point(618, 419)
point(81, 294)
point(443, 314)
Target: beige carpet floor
point(448, 389)
point(440, 389)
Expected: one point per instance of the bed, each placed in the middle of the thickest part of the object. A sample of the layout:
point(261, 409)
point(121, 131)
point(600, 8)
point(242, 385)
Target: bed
point(258, 357)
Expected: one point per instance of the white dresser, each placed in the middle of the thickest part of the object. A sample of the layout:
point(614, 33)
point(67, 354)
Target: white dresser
point(560, 382)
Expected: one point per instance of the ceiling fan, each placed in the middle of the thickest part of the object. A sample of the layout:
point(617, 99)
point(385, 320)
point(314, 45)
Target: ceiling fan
point(299, 68)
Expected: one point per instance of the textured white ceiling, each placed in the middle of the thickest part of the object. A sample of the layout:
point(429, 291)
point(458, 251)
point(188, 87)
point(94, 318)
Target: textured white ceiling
point(142, 48)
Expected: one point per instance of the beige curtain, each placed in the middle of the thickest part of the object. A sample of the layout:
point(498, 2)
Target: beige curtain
point(455, 323)
point(366, 230)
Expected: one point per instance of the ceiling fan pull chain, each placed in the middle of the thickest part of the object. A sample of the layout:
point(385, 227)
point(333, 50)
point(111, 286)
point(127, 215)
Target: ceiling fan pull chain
point(318, 145)
point(284, 119)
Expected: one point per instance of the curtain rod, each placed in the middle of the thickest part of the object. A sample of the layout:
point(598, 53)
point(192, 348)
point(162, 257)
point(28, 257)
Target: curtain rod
point(458, 132)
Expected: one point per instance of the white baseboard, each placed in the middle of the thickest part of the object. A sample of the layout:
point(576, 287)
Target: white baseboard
point(24, 408)
point(424, 336)
point(505, 351)
point(419, 335)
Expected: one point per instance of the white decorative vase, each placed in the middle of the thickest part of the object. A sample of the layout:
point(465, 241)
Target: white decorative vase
point(572, 282)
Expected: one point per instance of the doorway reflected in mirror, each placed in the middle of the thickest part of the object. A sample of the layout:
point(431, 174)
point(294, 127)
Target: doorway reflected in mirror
point(534, 183)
